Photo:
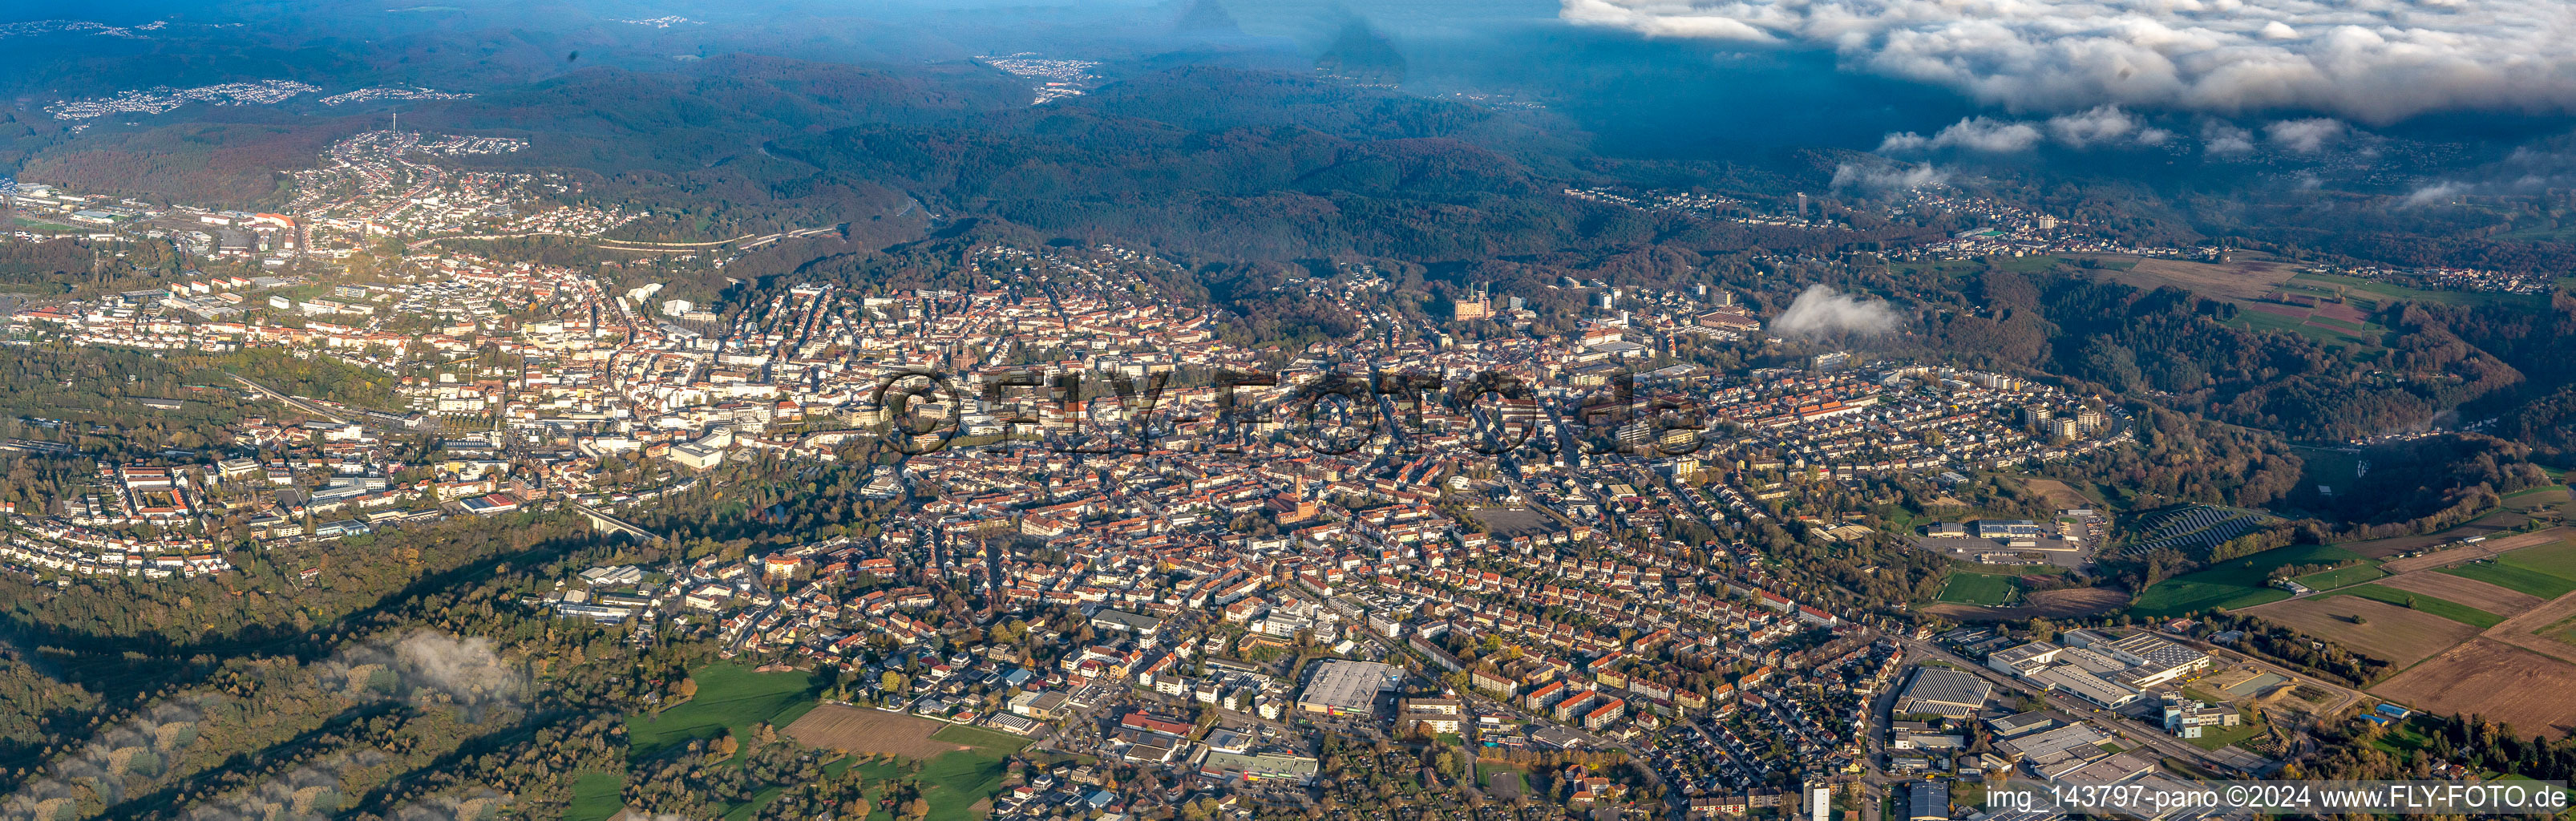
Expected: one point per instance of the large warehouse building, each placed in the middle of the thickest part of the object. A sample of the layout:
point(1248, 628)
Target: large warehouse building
point(1348, 687)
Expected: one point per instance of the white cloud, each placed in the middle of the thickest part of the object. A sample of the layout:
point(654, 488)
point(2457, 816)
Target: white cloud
point(1974, 134)
point(2304, 136)
point(2370, 60)
point(2222, 138)
point(2097, 126)
point(1887, 176)
point(1822, 311)
point(2100, 124)
point(2433, 194)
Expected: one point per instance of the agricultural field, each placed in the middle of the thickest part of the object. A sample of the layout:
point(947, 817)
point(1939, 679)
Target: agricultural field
point(2378, 293)
point(866, 731)
point(2489, 548)
point(2326, 327)
point(2469, 592)
point(2427, 603)
point(730, 698)
point(2549, 504)
point(2505, 573)
point(2341, 577)
point(2384, 631)
point(2493, 680)
point(2236, 583)
point(2563, 632)
point(961, 766)
point(2556, 559)
point(2239, 280)
point(2544, 629)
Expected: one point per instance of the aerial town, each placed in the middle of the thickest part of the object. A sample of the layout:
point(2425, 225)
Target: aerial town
point(1191, 581)
point(1056, 78)
point(161, 100)
point(1483, 564)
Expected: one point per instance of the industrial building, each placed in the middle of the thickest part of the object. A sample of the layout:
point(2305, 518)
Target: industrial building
point(1943, 692)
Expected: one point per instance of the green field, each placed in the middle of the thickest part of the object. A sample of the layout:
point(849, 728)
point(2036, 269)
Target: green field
point(731, 698)
point(2503, 573)
point(596, 797)
point(2556, 559)
point(2260, 321)
point(1980, 588)
point(745, 810)
point(2557, 491)
point(2444, 608)
point(2213, 738)
point(954, 782)
point(2343, 577)
point(2564, 632)
point(2236, 583)
point(2470, 299)
point(993, 741)
point(2408, 736)
point(41, 225)
point(876, 774)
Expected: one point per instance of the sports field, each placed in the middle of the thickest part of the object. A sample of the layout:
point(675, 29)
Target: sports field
point(1981, 588)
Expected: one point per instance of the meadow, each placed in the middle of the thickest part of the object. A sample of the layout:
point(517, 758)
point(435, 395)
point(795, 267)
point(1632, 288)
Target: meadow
point(2236, 583)
point(730, 698)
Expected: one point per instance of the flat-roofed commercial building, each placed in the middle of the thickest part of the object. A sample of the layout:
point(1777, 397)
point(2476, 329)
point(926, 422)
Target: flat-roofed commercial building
point(2154, 660)
point(1348, 687)
point(1943, 692)
point(2108, 694)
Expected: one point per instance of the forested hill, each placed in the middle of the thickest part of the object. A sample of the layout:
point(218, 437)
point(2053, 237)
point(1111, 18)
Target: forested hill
point(1260, 165)
point(688, 139)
